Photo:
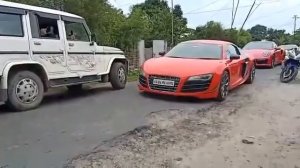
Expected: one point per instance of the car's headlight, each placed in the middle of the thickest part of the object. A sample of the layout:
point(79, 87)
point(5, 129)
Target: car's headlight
point(205, 77)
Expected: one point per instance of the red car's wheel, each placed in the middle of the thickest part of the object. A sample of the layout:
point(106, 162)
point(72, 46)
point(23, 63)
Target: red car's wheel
point(251, 76)
point(273, 63)
point(224, 87)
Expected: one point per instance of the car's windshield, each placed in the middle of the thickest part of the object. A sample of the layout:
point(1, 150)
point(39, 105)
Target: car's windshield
point(196, 51)
point(259, 45)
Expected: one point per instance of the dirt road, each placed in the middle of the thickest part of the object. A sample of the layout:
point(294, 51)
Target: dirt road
point(257, 126)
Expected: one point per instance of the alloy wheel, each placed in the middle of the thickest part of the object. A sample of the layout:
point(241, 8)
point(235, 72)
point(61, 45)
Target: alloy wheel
point(122, 75)
point(27, 91)
point(225, 85)
point(252, 75)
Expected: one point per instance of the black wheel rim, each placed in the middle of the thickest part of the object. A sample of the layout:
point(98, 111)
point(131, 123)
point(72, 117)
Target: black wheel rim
point(288, 73)
point(224, 86)
point(252, 75)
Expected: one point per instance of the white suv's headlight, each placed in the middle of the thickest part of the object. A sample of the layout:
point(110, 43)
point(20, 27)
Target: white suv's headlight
point(205, 77)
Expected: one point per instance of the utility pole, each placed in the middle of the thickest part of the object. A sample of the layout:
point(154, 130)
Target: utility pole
point(295, 24)
point(234, 12)
point(172, 5)
point(248, 15)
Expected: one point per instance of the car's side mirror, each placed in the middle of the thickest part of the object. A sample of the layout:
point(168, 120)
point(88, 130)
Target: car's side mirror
point(162, 53)
point(235, 57)
point(93, 39)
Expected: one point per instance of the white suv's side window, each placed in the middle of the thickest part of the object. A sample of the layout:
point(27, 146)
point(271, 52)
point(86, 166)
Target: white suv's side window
point(76, 32)
point(11, 25)
point(47, 28)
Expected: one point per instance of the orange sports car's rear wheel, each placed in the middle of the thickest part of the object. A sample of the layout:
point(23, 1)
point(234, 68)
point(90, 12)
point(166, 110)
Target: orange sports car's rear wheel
point(224, 86)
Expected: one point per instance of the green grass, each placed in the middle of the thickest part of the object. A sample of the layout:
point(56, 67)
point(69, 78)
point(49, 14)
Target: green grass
point(133, 75)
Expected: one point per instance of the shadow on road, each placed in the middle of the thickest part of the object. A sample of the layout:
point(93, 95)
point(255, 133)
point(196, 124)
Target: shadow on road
point(176, 99)
point(65, 96)
point(62, 95)
point(4, 110)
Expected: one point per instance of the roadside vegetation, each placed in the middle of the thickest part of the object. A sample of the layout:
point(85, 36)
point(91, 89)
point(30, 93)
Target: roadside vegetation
point(152, 20)
point(133, 75)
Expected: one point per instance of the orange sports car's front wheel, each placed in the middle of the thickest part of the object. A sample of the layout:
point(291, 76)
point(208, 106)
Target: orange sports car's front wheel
point(224, 87)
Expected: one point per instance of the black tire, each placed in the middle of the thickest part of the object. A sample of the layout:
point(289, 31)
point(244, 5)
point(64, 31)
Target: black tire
point(118, 76)
point(273, 63)
point(251, 76)
point(25, 91)
point(291, 77)
point(75, 88)
point(224, 86)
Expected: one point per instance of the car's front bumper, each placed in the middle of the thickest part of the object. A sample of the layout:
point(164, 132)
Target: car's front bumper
point(3, 93)
point(209, 93)
point(265, 62)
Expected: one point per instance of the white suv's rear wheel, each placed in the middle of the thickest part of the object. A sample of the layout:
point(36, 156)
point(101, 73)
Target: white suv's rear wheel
point(25, 91)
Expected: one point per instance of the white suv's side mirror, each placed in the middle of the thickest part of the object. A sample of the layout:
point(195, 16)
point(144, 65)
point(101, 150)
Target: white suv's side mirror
point(93, 39)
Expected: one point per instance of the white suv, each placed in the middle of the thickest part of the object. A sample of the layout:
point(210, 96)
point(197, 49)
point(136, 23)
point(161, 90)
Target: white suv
point(42, 48)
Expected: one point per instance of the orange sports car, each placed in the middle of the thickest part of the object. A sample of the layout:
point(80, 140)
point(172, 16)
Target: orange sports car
point(204, 69)
point(266, 53)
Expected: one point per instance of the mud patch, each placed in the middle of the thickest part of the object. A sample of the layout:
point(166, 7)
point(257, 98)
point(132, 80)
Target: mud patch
point(161, 143)
point(166, 139)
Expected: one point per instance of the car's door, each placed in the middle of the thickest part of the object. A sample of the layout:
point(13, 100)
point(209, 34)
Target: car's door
point(13, 36)
point(244, 69)
point(80, 50)
point(47, 43)
point(234, 65)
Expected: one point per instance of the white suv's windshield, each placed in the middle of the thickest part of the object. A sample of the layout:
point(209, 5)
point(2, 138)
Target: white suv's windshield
point(266, 45)
point(196, 51)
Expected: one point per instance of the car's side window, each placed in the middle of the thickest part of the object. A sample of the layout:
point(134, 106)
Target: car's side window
point(11, 25)
point(44, 28)
point(48, 28)
point(237, 50)
point(232, 50)
point(76, 32)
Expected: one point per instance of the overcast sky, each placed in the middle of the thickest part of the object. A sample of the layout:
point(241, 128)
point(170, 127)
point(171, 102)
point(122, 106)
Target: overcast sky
point(272, 13)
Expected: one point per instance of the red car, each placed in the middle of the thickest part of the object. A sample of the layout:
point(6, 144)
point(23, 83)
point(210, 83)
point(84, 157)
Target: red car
point(202, 69)
point(266, 53)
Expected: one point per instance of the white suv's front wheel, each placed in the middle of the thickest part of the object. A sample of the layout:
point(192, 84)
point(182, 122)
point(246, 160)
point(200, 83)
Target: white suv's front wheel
point(118, 76)
point(25, 91)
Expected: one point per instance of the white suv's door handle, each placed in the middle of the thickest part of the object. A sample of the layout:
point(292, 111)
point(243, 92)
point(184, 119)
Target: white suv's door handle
point(37, 43)
point(71, 44)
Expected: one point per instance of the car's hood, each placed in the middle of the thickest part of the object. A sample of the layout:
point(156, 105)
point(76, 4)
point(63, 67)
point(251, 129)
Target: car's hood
point(111, 50)
point(180, 67)
point(259, 53)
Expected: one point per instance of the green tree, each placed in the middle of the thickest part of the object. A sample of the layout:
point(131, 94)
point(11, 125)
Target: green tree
point(258, 32)
point(180, 24)
point(160, 20)
point(231, 35)
point(134, 29)
point(212, 30)
point(295, 38)
point(244, 38)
